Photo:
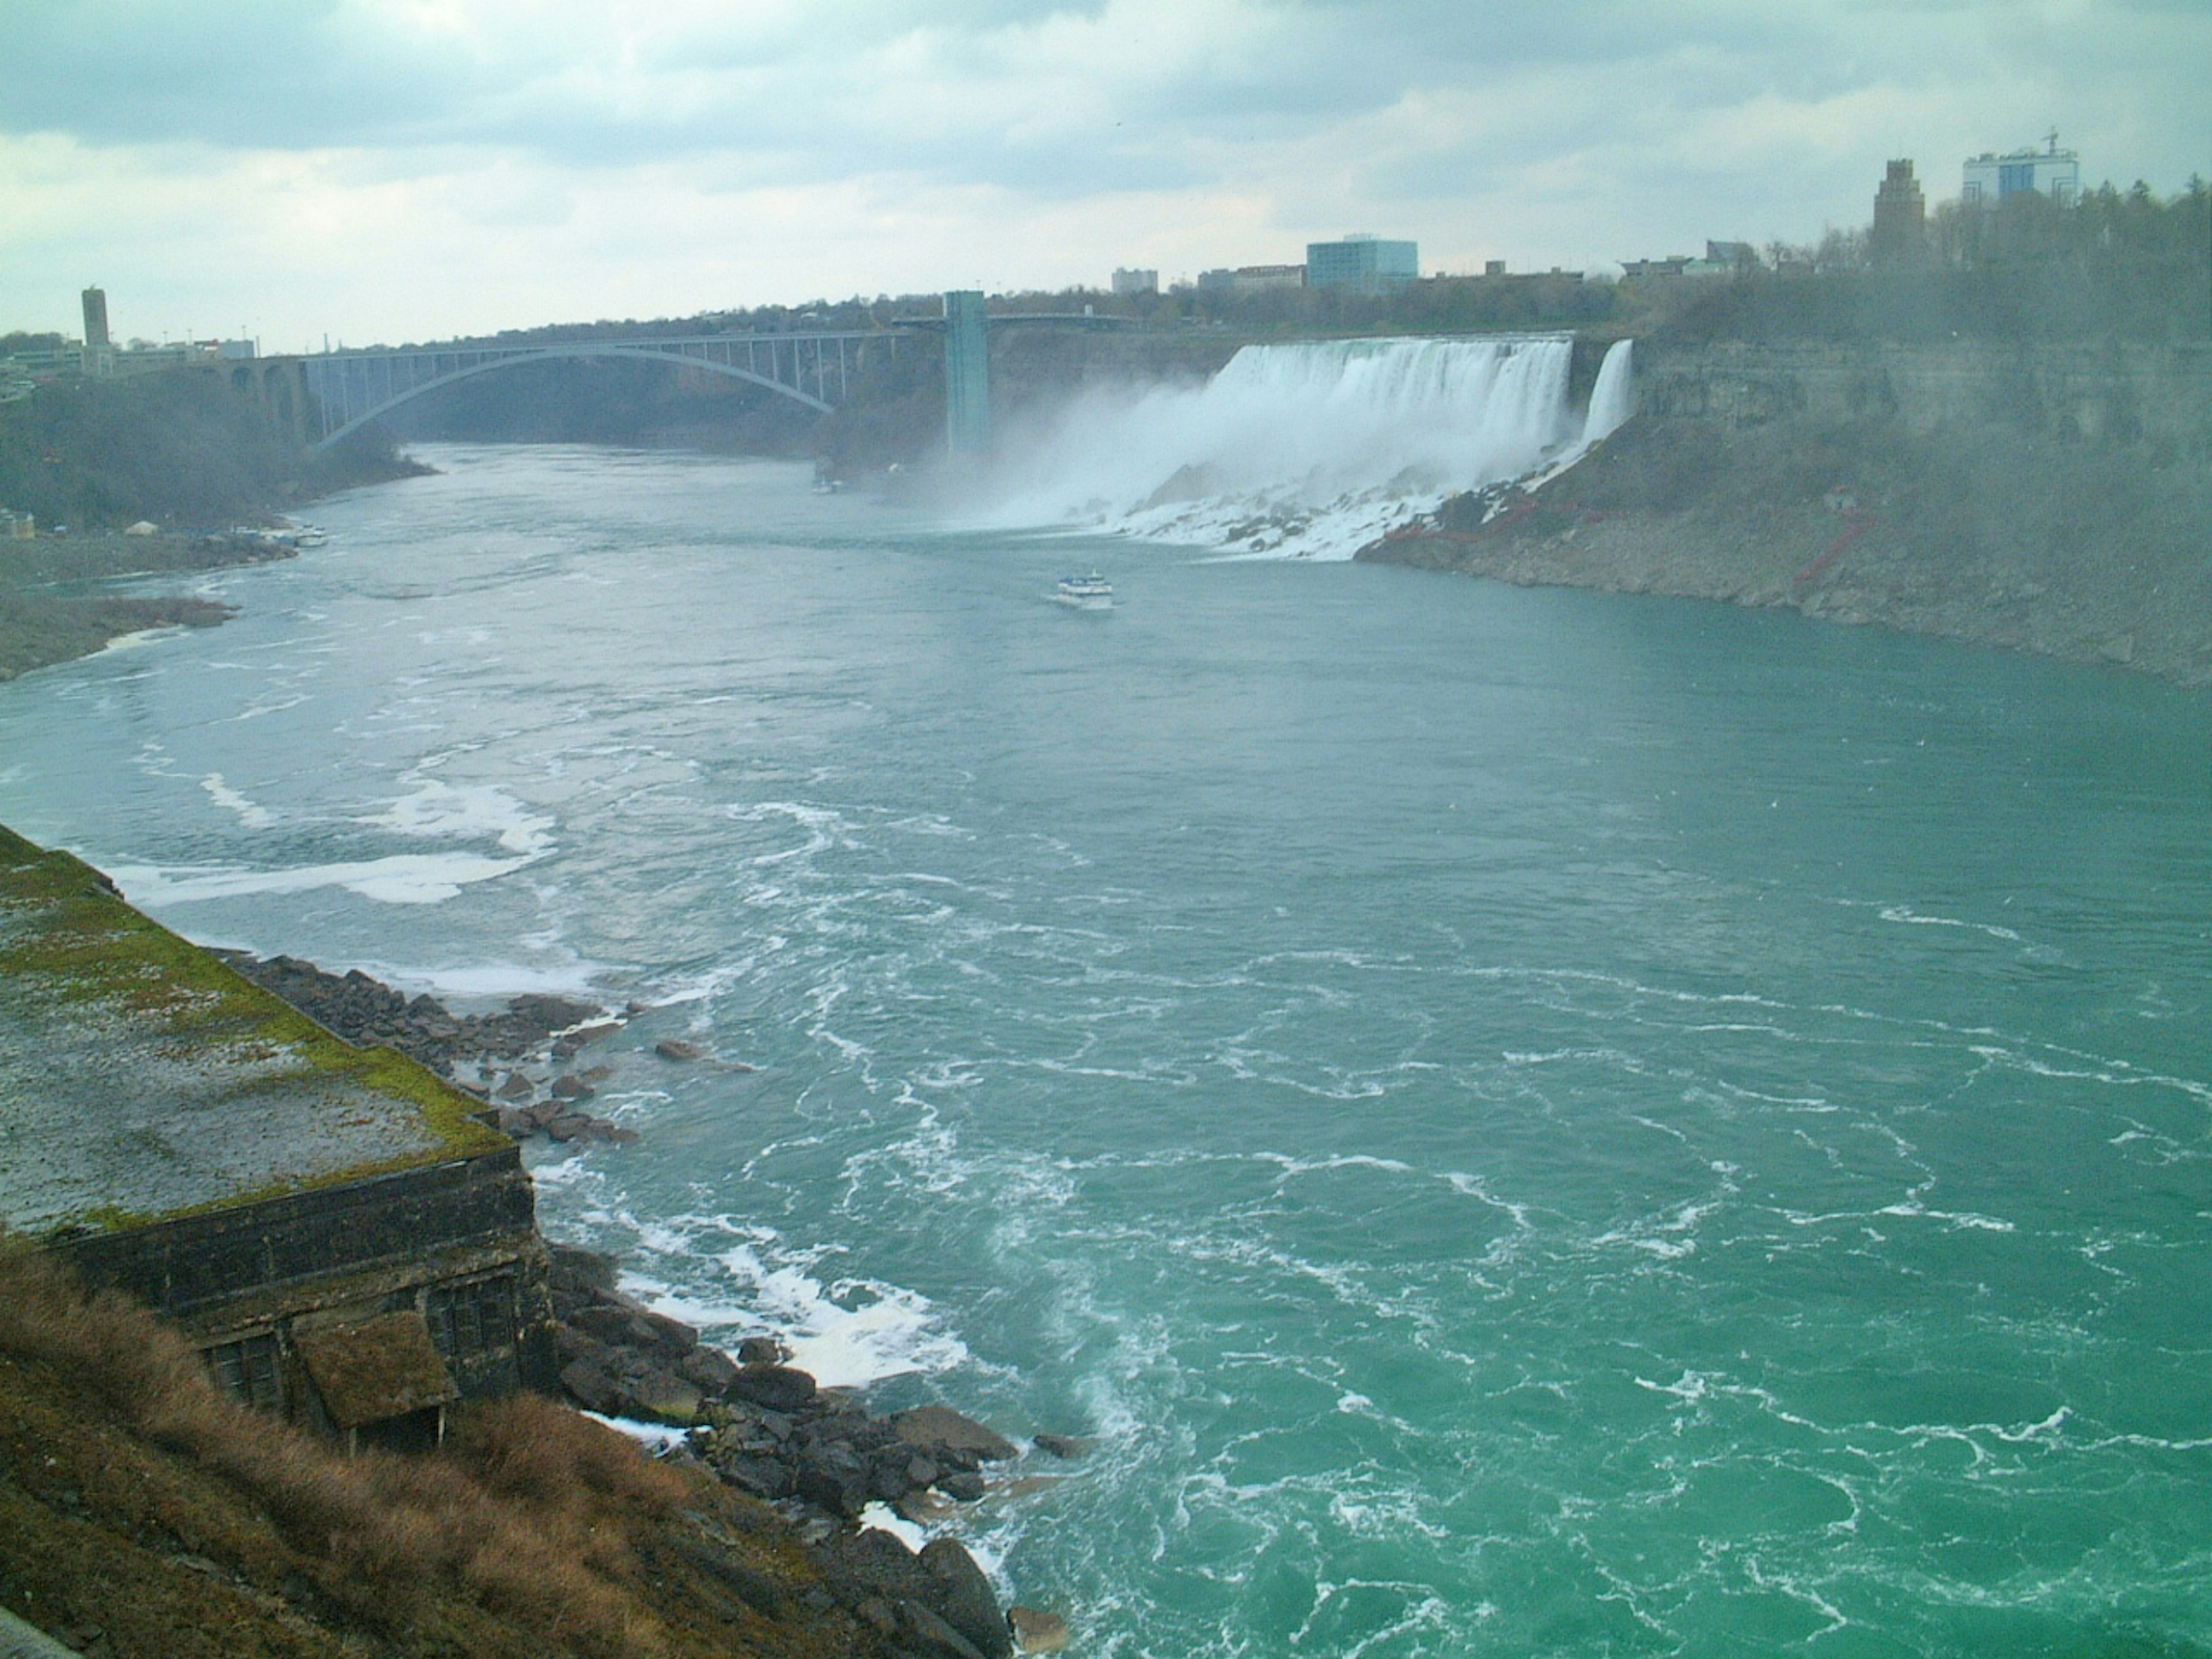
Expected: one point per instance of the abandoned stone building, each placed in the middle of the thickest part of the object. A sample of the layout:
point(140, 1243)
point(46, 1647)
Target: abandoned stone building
point(343, 1239)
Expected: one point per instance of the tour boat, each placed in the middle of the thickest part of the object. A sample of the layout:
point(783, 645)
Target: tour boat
point(1090, 592)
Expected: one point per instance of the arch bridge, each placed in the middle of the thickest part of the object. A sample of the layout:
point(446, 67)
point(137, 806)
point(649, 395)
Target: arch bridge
point(351, 388)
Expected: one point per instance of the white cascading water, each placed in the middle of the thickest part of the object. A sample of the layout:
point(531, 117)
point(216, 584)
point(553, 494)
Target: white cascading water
point(1314, 450)
point(1612, 399)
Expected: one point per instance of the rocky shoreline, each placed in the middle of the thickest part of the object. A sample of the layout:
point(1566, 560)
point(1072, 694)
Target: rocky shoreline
point(1980, 529)
point(40, 626)
point(767, 1428)
point(756, 1423)
point(521, 1061)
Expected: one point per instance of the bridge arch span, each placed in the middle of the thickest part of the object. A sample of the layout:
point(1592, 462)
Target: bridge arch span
point(350, 381)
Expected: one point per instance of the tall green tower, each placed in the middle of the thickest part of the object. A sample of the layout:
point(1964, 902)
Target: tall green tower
point(967, 374)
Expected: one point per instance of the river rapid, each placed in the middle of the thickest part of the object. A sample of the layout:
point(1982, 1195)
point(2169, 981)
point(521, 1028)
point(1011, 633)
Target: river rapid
point(1521, 1122)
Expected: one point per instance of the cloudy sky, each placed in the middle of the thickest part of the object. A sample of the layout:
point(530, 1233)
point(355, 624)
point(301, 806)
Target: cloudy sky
point(409, 169)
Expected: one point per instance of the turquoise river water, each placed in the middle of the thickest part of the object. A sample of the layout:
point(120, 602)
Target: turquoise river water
point(1523, 1122)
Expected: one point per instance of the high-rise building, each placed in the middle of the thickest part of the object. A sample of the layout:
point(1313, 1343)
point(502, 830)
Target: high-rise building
point(1362, 261)
point(2051, 172)
point(1900, 218)
point(95, 318)
point(967, 374)
point(1136, 282)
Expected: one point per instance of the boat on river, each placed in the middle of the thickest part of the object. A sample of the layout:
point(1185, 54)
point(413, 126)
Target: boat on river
point(1090, 592)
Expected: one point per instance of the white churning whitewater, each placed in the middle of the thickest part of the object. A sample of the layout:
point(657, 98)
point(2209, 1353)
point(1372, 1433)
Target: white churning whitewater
point(1312, 450)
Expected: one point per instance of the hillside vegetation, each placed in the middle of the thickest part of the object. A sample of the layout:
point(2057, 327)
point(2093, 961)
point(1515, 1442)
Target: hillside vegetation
point(178, 449)
point(146, 1514)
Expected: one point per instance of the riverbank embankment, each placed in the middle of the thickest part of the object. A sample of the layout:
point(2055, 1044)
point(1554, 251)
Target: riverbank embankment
point(52, 610)
point(2056, 500)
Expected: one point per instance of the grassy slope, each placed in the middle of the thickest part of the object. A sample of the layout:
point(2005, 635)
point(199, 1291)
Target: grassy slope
point(143, 1514)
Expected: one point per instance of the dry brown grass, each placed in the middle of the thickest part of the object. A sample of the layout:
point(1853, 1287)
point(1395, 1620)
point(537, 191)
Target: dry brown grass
point(531, 1513)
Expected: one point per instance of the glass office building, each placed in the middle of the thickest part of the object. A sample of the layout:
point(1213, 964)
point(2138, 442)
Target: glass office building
point(1361, 262)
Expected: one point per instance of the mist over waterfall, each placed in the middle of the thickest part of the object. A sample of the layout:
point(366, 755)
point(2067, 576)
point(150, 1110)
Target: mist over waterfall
point(1315, 449)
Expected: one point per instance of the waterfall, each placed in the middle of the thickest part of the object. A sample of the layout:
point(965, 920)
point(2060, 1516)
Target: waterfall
point(1612, 399)
point(1315, 449)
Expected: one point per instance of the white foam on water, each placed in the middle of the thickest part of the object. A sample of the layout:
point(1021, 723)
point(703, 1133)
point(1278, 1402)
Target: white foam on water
point(1311, 450)
point(252, 816)
point(403, 879)
point(658, 1436)
point(1900, 913)
point(497, 979)
point(879, 1517)
point(138, 637)
point(845, 1335)
point(465, 811)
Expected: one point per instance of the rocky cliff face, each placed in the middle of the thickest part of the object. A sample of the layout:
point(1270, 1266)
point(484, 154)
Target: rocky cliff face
point(2056, 500)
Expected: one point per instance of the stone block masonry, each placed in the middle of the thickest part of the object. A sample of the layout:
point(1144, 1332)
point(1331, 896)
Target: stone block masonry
point(180, 1134)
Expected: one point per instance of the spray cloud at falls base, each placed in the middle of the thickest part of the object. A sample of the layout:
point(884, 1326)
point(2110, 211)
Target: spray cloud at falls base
point(1315, 449)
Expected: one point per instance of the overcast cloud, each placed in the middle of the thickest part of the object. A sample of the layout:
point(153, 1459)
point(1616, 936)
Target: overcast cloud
point(409, 169)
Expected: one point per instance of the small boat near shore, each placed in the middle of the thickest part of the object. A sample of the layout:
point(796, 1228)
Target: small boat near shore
point(1090, 592)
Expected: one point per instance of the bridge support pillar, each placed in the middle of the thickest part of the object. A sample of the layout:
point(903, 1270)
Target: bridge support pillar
point(967, 374)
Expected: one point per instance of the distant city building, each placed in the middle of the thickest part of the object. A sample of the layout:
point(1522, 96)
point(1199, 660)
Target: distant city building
point(967, 373)
point(1493, 267)
point(1249, 279)
point(1721, 259)
point(237, 350)
point(1362, 261)
point(98, 356)
point(2051, 172)
point(1136, 282)
point(1899, 235)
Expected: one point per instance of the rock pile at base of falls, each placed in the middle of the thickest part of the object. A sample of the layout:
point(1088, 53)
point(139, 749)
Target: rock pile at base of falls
point(765, 1427)
point(534, 1033)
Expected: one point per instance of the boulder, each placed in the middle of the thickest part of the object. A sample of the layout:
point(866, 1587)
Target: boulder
point(840, 1490)
point(708, 1368)
point(572, 1344)
point(778, 1388)
point(926, 1633)
point(933, 1428)
point(677, 1048)
point(1064, 1445)
point(763, 1476)
point(661, 1397)
point(593, 1385)
point(573, 1264)
point(761, 1350)
point(569, 1086)
point(621, 1322)
point(963, 1598)
point(549, 1013)
point(1036, 1630)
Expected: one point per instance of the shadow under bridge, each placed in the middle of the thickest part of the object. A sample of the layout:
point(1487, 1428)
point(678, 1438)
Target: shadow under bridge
point(352, 388)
